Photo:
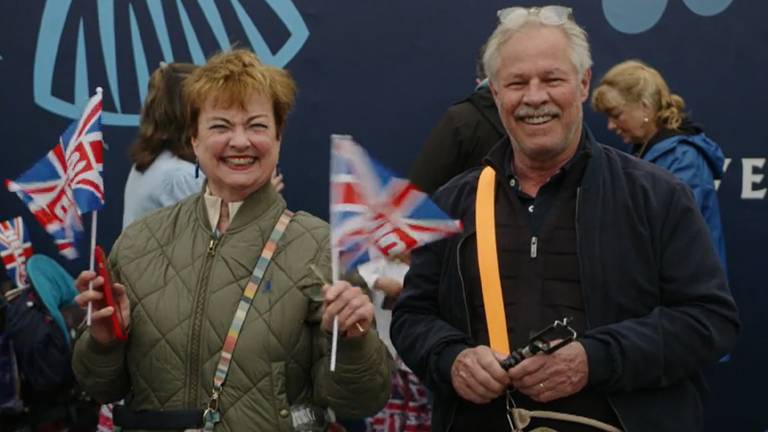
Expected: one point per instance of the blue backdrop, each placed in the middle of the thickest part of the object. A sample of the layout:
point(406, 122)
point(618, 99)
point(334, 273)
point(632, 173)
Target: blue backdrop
point(384, 71)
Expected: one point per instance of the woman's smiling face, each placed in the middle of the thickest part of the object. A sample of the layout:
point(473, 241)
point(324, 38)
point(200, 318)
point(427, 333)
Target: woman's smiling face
point(237, 147)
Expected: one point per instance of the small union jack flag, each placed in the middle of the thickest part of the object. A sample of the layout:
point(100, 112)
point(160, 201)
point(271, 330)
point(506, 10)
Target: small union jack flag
point(67, 182)
point(15, 249)
point(375, 214)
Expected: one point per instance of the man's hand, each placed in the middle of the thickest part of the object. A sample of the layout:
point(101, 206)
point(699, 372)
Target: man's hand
point(351, 305)
point(476, 375)
point(546, 377)
point(101, 327)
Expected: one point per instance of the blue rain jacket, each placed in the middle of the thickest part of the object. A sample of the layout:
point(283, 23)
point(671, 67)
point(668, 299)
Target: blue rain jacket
point(698, 162)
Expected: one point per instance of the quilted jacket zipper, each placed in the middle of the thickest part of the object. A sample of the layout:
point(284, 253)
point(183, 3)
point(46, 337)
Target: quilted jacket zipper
point(198, 311)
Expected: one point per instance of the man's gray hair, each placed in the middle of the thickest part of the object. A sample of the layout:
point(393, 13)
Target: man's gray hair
point(577, 41)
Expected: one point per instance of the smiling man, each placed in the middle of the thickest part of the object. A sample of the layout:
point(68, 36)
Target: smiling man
point(558, 225)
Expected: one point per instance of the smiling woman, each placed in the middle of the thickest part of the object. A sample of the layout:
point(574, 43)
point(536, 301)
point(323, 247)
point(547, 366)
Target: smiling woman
point(237, 148)
point(236, 126)
point(223, 279)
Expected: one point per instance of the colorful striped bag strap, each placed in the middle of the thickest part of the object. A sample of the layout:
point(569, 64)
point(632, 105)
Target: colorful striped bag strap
point(211, 415)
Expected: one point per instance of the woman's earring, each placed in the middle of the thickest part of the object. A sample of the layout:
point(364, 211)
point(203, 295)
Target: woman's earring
point(645, 119)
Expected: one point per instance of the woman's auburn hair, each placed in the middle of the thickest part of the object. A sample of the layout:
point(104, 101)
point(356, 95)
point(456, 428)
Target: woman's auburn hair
point(633, 81)
point(163, 120)
point(231, 78)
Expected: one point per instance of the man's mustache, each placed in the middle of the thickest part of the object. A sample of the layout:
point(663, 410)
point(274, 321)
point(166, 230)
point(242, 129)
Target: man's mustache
point(527, 111)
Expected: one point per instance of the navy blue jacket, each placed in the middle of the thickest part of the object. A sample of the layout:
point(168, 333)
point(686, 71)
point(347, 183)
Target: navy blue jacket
point(657, 303)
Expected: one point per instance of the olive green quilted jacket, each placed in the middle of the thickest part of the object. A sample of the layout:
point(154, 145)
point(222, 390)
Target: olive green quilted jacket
point(184, 287)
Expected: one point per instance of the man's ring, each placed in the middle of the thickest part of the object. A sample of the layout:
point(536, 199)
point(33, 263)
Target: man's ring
point(541, 385)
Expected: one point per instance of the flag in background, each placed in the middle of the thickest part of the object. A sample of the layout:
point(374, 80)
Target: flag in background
point(67, 182)
point(15, 249)
point(375, 214)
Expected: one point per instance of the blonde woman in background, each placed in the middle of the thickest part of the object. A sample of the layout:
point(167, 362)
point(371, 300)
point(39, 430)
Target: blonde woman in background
point(643, 111)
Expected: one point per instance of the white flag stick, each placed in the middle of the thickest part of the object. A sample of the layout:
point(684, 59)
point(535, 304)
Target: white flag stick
point(335, 335)
point(93, 255)
point(334, 259)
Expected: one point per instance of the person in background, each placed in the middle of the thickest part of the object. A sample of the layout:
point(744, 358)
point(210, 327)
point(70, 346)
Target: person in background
point(163, 170)
point(643, 111)
point(38, 325)
point(558, 225)
point(408, 408)
point(186, 279)
point(461, 139)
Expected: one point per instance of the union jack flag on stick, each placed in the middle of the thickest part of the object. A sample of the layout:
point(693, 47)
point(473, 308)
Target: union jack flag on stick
point(67, 183)
point(376, 214)
point(15, 249)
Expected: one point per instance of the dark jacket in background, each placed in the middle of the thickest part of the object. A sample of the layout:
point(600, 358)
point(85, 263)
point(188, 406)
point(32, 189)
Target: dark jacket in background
point(460, 141)
point(657, 303)
point(42, 352)
point(51, 398)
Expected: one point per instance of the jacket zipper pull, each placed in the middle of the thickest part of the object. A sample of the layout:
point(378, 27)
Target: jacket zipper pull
point(212, 243)
point(215, 236)
point(534, 245)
